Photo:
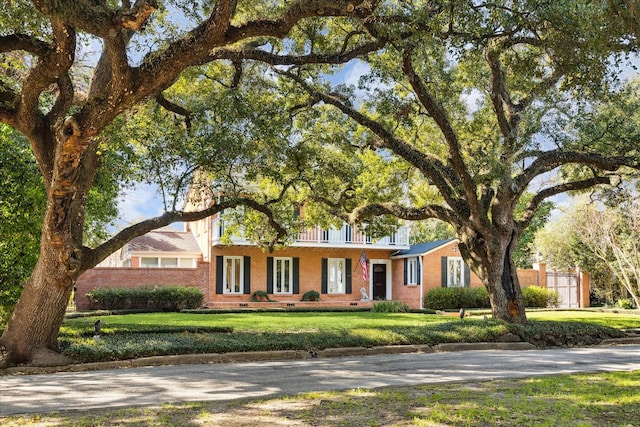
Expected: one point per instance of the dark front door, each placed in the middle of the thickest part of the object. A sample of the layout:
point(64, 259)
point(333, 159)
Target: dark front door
point(379, 282)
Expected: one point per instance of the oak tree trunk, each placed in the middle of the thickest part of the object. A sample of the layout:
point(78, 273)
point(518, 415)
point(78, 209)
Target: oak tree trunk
point(492, 261)
point(31, 336)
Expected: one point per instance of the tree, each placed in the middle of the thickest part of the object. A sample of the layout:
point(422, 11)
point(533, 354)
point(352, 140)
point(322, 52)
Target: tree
point(65, 121)
point(22, 205)
point(613, 235)
point(470, 98)
point(562, 246)
point(22, 202)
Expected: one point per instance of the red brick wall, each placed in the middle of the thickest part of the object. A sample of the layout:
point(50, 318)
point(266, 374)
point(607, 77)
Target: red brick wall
point(310, 271)
point(139, 277)
point(432, 276)
point(432, 267)
point(409, 294)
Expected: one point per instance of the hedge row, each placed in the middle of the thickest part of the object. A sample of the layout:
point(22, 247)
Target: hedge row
point(162, 298)
point(456, 298)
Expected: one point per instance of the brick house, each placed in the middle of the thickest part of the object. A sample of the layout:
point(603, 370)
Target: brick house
point(329, 262)
point(435, 264)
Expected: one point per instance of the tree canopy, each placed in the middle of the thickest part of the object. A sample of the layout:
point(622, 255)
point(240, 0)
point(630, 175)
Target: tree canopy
point(445, 122)
point(469, 115)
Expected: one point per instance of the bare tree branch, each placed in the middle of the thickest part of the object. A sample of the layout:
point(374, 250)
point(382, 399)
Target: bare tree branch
point(439, 115)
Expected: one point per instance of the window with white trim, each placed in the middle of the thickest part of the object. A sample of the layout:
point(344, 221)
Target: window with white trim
point(148, 262)
point(455, 272)
point(412, 271)
point(282, 275)
point(232, 275)
point(166, 262)
point(336, 283)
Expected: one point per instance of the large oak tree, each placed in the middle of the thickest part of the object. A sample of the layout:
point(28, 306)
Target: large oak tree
point(141, 53)
point(470, 107)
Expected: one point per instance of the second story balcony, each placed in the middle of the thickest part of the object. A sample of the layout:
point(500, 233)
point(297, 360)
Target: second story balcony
point(346, 236)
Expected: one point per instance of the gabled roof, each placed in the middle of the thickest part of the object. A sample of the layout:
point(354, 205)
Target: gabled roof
point(421, 249)
point(165, 240)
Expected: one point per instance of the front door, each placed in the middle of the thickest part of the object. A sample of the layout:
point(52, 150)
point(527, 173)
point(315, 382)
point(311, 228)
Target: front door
point(379, 282)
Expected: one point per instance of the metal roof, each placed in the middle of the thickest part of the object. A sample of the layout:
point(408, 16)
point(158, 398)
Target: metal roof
point(420, 248)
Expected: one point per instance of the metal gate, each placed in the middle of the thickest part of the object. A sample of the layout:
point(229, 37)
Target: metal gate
point(568, 287)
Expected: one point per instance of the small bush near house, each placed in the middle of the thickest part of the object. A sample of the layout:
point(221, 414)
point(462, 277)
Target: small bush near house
point(391, 307)
point(456, 298)
point(539, 297)
point(311, 296)
point(161, 298)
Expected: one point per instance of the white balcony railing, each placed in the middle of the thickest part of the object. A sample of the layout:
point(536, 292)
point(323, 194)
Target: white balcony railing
point(347, 236)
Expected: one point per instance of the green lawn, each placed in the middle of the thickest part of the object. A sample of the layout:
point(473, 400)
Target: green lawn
point(136, 335)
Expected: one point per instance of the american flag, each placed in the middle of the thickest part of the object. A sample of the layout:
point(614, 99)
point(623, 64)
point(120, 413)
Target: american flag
point(363, 264)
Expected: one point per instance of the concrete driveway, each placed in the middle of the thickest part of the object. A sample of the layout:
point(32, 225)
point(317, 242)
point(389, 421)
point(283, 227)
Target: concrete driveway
point(225, 381)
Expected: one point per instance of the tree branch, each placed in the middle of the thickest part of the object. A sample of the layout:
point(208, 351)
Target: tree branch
point(175, 108)
point(439, 115)
point(546, 193)
point(549, 160)
point(275, 59)
point(402, 212)
point(92, 257)
point(428, 164)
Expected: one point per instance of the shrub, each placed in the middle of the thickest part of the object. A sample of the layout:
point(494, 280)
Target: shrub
point(390, 307)
point(625, 303)
point(539, 297)
point(456, 298)
point(166, 298)
point(311, 296)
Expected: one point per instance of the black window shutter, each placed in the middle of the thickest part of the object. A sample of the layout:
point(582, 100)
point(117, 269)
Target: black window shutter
point(467, 276)
point(325, 273)
point(444, 271)
point(219, 275)
point(269, 274)
point(419, 275)
point(406, 271)
point(247, 274)
point(296, 275)
point(348, 278)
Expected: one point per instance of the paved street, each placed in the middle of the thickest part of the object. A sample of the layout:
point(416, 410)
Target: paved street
point(207, 382)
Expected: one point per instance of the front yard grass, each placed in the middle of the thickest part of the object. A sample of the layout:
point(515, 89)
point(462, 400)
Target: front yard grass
point(148, 334)
point(602, 399)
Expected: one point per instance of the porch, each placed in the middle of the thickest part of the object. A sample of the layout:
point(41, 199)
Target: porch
point(304, 305)
point(346, 236)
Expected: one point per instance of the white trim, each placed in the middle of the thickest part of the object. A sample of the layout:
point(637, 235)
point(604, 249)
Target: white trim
point(459, 260)
point(389, 290)
point(275, 275)
point(421, 284)
point(416, 263)
point(240, 259)
point(341, 274)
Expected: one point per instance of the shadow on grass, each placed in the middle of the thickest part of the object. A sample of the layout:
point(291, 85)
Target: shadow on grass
point(126, 343)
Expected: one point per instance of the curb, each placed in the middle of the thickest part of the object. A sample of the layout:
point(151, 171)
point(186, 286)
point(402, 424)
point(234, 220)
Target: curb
point(257, 356)
point(620, 341)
